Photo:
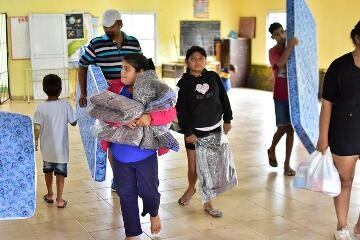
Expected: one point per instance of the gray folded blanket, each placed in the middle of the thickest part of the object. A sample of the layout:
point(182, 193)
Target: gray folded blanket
point(112, 107)
point(149, 95)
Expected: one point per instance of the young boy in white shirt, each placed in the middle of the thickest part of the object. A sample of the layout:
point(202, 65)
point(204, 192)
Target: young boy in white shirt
point(50, 123)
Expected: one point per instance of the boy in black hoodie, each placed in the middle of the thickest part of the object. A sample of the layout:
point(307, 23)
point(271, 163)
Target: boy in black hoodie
point(202, 107)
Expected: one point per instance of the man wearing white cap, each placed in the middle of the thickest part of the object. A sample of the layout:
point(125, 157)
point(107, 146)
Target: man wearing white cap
point(107, 51)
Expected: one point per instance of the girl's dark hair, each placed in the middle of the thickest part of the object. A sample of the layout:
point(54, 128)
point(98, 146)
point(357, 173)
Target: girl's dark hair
point(193, 49)
point(52, 85)
point(139, 62)
point(355, 31)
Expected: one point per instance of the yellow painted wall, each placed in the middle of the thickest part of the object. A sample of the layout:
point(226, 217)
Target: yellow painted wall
point(335, 19)
point(168, 13)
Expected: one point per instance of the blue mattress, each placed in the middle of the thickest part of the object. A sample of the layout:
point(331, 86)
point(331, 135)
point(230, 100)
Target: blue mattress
point(303, 73)
point(17, 167)
point(96, 157)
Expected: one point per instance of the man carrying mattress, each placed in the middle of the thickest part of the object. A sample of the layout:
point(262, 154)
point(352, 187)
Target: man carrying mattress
point(278, 56)
point(107, 51)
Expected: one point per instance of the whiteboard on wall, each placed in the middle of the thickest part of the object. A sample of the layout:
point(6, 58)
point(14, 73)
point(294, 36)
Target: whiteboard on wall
point(20, 37)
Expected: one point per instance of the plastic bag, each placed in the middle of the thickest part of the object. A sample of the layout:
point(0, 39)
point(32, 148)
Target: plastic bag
point(319, 174)
point(323, 176)
point(214, 166)
point(302, 170)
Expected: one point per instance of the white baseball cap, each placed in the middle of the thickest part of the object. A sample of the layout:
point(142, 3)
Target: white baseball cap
point(109, 17)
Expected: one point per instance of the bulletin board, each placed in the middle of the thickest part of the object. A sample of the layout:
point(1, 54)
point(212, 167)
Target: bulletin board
point(74, 25)
point(74, 44)
point(20, 37)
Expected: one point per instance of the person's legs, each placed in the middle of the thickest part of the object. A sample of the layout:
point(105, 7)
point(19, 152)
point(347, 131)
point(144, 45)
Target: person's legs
point(148, 183)
point(346, 167)
point(126, 188)
point(48, 170)
point(61, 173)
point(289, 146)
point(281, 130)
point(283, 122)
point(49, 181)
point(191, 156)
point(192, 177)
point(60, 180)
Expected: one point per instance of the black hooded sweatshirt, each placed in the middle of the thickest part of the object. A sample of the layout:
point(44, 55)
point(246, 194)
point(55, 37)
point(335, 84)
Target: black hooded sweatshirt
point(202, 101)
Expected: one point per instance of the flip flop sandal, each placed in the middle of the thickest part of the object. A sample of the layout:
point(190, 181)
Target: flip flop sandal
point(216, 213)
point(289, 172)
point(188, 201)
point(48, 200)
point(272, 162)
point(64, 205)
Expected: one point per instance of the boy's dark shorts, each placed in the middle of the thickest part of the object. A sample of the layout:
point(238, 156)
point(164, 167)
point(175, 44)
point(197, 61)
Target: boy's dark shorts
point(282, 113)
point(57, 168)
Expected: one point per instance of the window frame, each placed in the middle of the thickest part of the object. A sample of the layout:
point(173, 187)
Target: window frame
point(268, 38)
point(155, 30)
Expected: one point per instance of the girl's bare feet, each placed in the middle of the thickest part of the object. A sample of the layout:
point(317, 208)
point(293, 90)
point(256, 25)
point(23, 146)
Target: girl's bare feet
point(208, 205)
point(185, 199)
point(155, 225)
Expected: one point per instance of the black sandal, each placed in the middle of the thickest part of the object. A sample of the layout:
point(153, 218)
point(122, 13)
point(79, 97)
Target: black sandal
point(289, 172)
point(272, 162)
point(48, 200)
point(64, 205)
